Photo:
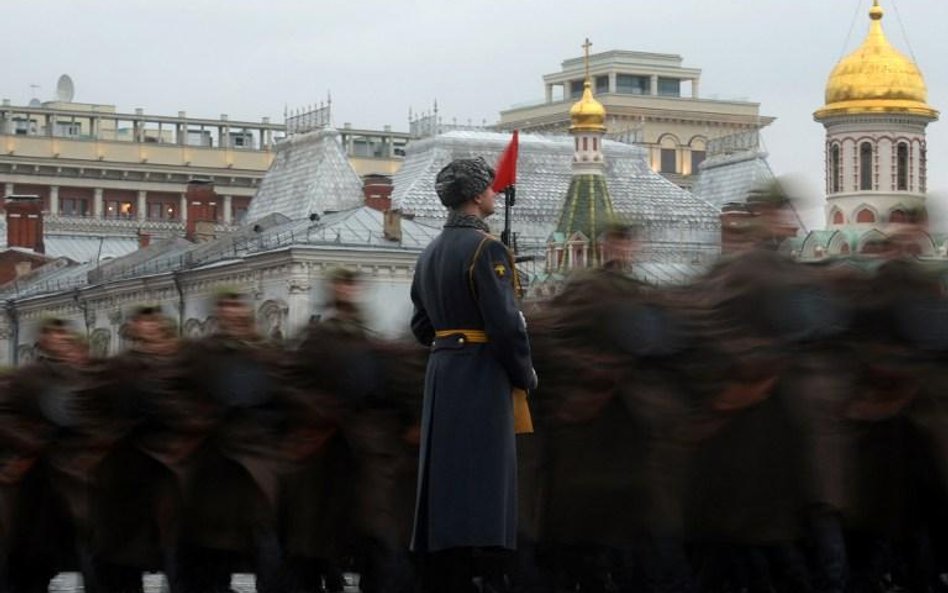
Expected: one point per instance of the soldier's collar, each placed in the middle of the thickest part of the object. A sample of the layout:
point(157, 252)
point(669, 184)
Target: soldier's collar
point(456, 219)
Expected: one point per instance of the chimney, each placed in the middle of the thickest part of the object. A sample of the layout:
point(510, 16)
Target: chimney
point(377, 191)
point(202, 208)
point(22, 268)
point(392, 225)
point(25, 222)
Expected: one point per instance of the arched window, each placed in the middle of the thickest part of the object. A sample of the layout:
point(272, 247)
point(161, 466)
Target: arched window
point(834, 169)
point(577, 144)
point(595, 144)
point(865, 216)
point(901, 173)
point(838, 217)
point(844, 249)
point(898, 216)
point(865, 166)
point(585, 143)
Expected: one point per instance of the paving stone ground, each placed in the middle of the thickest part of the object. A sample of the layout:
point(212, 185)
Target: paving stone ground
point(70, 582)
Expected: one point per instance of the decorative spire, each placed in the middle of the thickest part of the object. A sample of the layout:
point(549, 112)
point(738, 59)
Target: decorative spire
point(587, 114)
point(876, 78)
point(586, 47)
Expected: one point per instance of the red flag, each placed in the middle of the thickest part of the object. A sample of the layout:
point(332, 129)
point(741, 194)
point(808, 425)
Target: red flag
point(507, 165)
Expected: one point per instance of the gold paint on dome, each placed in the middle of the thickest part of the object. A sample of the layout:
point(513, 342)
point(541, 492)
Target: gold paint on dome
point(587, 114)
point(876, 78)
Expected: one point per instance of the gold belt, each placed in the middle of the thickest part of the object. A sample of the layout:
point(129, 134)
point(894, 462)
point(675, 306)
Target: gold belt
point(474, 336)
point(523, 422)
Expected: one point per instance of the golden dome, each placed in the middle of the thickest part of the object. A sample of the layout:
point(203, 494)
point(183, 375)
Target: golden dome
point(587, 114)
point(876, 78)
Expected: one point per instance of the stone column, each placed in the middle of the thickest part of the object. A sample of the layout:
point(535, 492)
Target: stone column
point(694, 88)
point(613, 86)
point(8, 189)
point(183, 212)
point(228, 210)
point(97, 205)
point(141, 207)
point(54, 199)
point(654, 85)
point(549, 93)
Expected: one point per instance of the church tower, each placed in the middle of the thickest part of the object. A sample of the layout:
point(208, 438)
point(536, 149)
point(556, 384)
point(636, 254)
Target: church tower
point(587, 208)
point(875, 117)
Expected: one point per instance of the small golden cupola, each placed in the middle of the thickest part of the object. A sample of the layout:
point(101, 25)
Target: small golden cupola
point(587, 114)
point(876, 78)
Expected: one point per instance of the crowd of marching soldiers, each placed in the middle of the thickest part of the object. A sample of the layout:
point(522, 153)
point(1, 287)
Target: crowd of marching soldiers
point(770, 427)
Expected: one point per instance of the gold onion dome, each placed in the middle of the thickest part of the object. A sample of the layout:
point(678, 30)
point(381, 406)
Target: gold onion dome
point(876, 78)
point(587, 114)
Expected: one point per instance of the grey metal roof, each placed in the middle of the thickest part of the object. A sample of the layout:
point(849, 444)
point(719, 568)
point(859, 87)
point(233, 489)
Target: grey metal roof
point(86, 248)
point(310, 173)
point(360, 227)
point(81, 247)
point(673, 220)
point(50, 279)
point(731, 177)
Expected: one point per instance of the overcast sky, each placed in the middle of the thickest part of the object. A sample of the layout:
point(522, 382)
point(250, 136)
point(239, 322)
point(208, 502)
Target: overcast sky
point(250, 58)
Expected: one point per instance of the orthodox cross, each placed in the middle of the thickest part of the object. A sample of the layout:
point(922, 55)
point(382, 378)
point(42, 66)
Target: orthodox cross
point(586, 47)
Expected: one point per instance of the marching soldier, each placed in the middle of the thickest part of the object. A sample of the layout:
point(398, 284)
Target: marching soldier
point(231, 504)
point(139, 485)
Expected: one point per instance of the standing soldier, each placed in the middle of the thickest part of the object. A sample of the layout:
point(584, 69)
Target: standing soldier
point(464, 294)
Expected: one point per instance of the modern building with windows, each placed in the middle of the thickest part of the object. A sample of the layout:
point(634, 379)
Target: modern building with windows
point(651, 100)
point(101, 171)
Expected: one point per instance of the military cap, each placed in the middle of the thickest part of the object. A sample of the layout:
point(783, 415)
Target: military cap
point(55, 323)
point(462, 180)
point(145, 310)
point(229, 293)
point(343, 275)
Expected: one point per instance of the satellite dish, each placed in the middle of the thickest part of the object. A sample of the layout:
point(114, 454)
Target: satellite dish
point(65, 90)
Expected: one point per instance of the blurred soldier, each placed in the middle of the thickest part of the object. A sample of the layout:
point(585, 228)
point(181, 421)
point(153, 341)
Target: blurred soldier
point(619, 243)
point(138, 485)
point(344, 313)
point(57, 443)
point(346, 492)
point(464, 294)
point(230, 508)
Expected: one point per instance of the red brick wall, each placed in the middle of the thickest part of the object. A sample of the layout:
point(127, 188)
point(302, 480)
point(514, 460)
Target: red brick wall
point(377, 190)
point(25, 224)
point(42, 191)
point(203, 206)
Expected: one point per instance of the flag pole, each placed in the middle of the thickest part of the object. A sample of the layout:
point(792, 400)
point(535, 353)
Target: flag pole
point(510, 193)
